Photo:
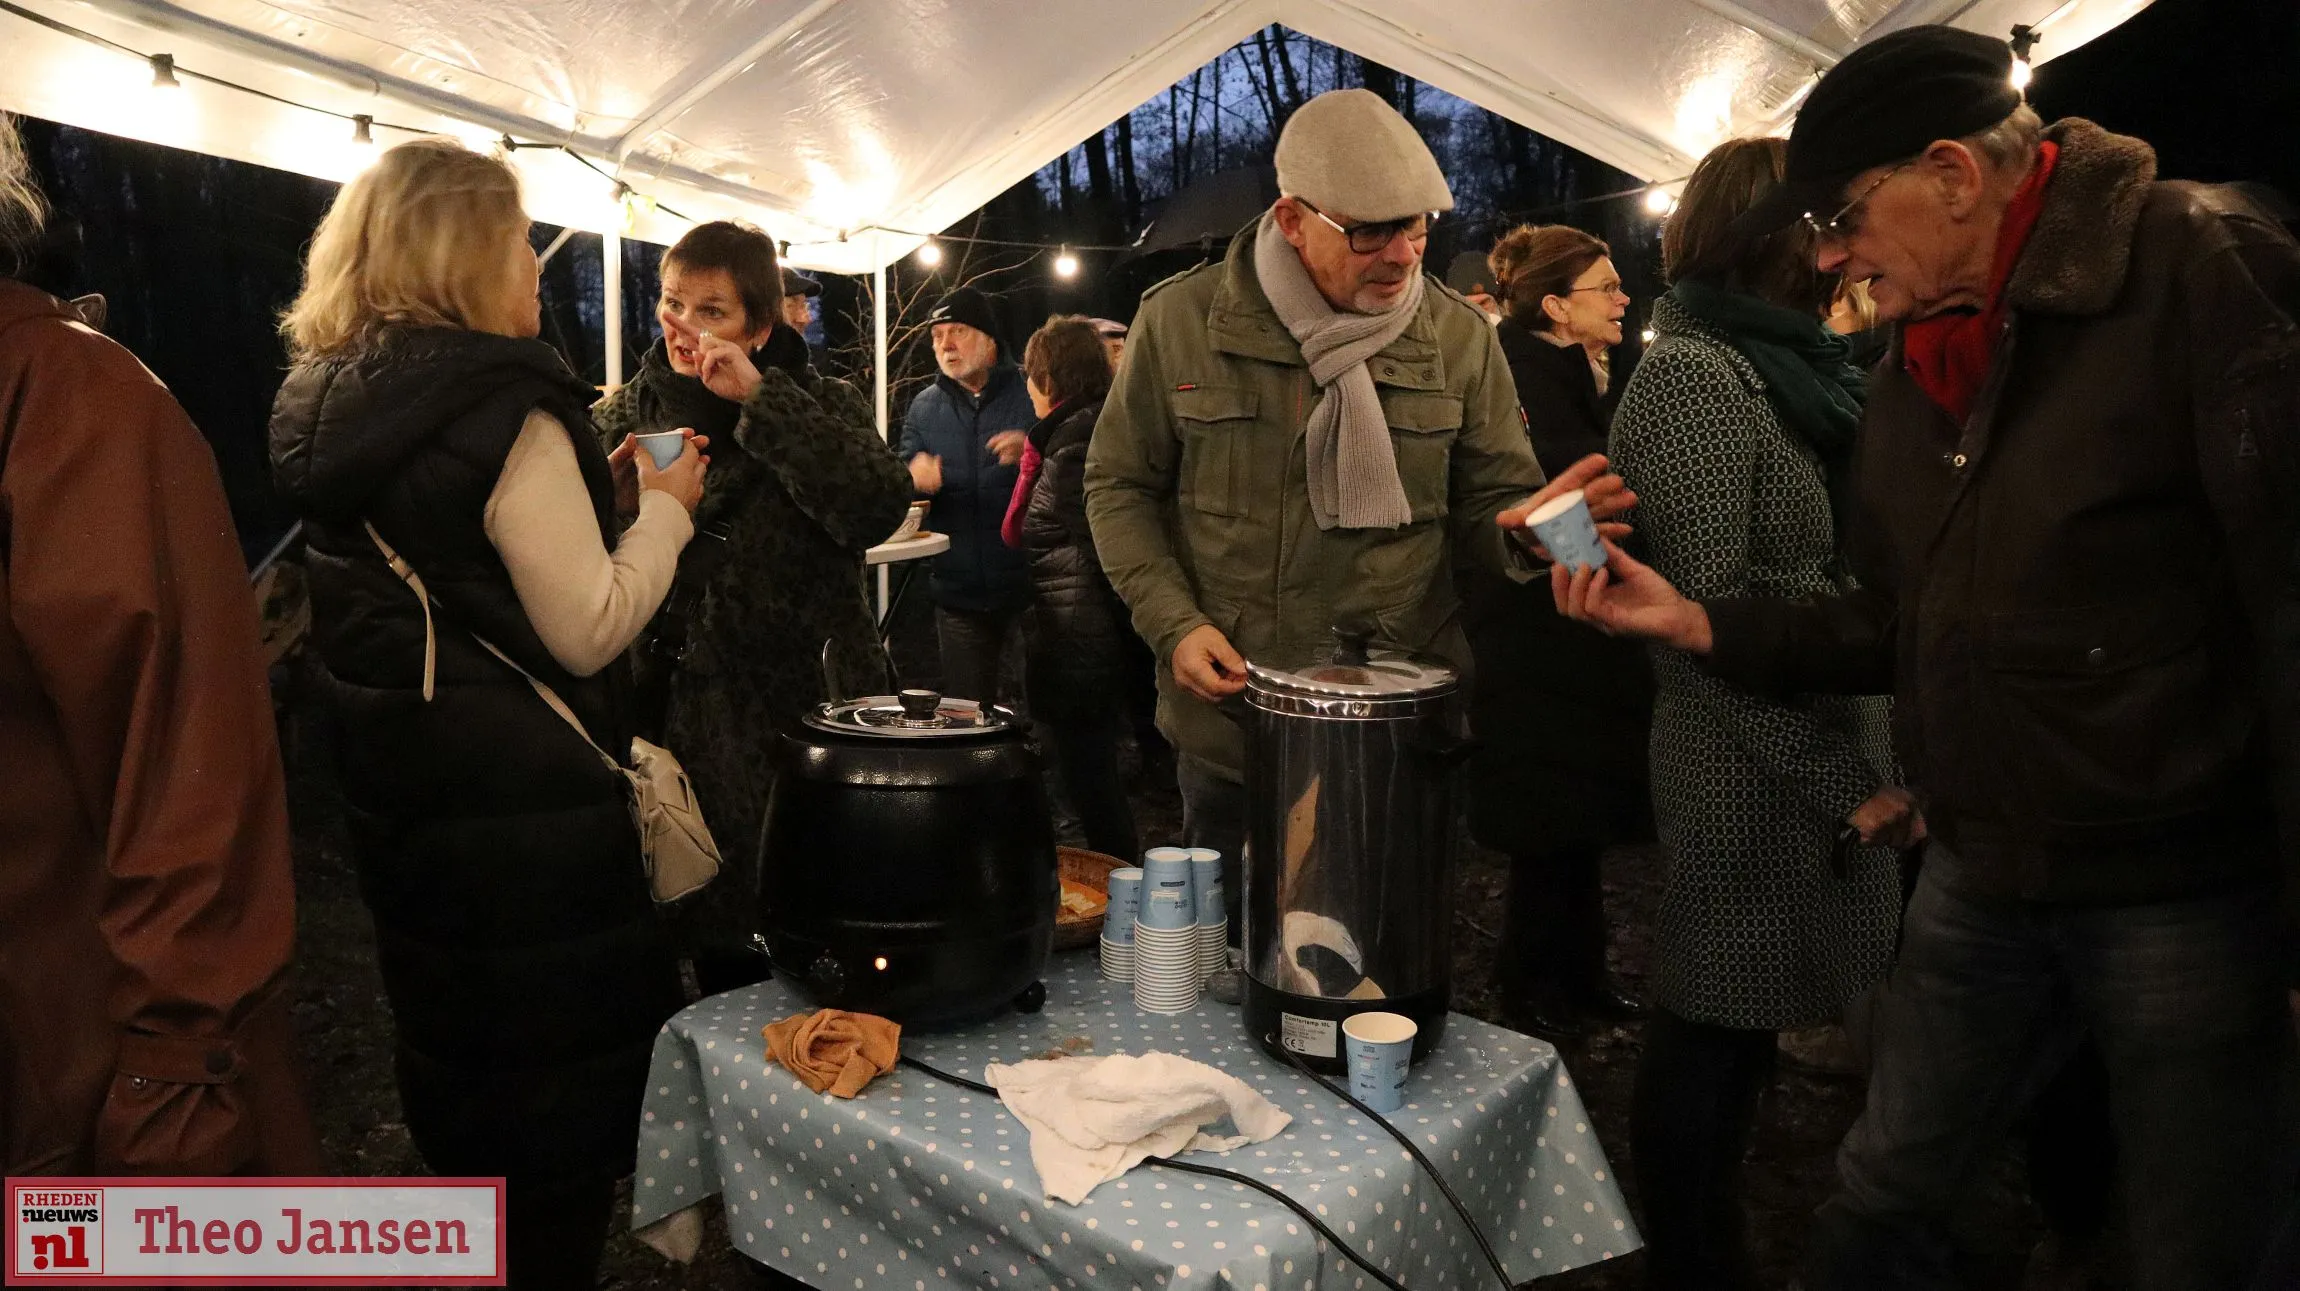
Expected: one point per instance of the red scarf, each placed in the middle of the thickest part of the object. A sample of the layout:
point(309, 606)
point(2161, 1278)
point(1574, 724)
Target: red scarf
point(1948, 355)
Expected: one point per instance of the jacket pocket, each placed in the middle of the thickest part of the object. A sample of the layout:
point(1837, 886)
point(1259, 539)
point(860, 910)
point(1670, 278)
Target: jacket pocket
point(2112, 713)
point(1423, 426)
point(1215, 421)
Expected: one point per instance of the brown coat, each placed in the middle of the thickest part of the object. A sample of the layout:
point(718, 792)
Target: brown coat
point(146, 902)
point(2083, 598)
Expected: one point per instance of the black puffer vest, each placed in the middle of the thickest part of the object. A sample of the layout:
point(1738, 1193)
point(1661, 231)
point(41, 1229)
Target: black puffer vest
point(526, 969)
point(1083, 651)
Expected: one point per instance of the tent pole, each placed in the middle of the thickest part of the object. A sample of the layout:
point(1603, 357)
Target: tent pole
point(878, 382)
point(611, 253)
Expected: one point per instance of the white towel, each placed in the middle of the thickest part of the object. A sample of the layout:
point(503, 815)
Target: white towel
point(1093, 1119)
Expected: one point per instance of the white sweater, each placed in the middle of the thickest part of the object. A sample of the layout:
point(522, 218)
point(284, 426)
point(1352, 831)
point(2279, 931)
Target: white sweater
point(586, 604)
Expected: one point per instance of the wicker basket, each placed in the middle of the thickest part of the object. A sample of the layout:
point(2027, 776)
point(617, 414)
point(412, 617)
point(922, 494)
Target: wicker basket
point(1093, 870)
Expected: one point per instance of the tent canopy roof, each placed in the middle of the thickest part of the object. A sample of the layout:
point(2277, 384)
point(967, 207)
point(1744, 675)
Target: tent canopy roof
point(849, 127)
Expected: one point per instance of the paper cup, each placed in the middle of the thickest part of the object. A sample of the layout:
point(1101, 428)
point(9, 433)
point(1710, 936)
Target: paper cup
point(1379, 1047)
point(1213, 947)
point(1117, 960)
point(664, 447)
point(1125, 904)
point(1206, 883)
point(910, 523)
point(1166, 871)
point(1564, 526)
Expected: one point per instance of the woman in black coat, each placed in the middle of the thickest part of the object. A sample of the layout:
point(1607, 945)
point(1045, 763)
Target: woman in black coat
point(1082, 651)
point(1560, 710)
point(463, 529)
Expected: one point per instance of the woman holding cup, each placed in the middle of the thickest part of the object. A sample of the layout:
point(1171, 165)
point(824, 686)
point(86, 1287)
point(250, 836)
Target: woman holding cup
point(456, 504)
point(1780, 816)
point(801, 486)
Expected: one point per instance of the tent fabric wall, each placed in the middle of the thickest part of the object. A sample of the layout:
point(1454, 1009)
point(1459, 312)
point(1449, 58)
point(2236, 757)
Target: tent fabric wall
point(822, 120)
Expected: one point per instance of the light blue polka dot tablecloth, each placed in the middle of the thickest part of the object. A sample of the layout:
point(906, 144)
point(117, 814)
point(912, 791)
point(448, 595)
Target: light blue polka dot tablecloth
point(920, 1184)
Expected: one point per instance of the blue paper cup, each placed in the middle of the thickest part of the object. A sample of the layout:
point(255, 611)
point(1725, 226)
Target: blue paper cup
point(1563, 525)
point(1166, 909)
point(1168, 869)
point(1125, 904)
point(1206, 883)
point(664, 447)
point(1379, 1047)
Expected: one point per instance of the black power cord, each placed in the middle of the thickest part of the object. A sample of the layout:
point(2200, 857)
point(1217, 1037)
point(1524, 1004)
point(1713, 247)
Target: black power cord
point(1406, 1141)
point(1215, 1172)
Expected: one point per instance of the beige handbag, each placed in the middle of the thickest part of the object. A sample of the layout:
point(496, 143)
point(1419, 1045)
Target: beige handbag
point(675, 846)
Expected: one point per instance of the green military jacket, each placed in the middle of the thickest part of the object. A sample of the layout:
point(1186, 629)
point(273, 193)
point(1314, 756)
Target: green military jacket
point(1198, 492)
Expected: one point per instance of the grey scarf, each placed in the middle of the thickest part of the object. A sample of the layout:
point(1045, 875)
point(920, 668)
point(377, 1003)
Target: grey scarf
point(1352, 465)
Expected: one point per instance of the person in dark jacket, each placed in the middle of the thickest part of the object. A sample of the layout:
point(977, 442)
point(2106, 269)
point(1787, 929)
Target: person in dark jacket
point(1554, 805)
point(963, 439)
point(2077, 497)
point(1081, 651)
point(800, 488)
point(455, 505)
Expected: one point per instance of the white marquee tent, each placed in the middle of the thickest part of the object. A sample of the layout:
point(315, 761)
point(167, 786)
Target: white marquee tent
point(850, 127)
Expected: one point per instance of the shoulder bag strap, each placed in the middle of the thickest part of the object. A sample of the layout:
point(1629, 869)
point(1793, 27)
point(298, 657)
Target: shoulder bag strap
point(549, 696)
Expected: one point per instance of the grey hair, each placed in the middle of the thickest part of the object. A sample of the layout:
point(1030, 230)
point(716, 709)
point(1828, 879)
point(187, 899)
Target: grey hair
point(2009, 143)
point(23, 212)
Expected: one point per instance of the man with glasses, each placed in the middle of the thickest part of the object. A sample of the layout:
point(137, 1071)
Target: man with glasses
point(2078, 494)
point(1304, 437)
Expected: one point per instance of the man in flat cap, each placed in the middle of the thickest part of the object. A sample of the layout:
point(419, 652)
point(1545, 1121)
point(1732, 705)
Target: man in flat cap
point(2078, 497)
point(1303, 437)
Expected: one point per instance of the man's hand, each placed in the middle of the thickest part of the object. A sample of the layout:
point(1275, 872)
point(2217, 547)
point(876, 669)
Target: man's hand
point(1627, 598)
point(1889, 819)
point(1607, 494)
point(1206, 666)
point(1007, 446)
point(926, 473)
point(725, 369)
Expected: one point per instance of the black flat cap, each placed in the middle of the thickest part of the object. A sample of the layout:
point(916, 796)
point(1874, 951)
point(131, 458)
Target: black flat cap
point(1885, 103)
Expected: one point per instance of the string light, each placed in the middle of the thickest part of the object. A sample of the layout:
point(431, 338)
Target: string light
point(164, 72)
point(363, 129)
point(1646, 336)
point(1065, 264)
point(930, 254)
point(2023, 43)
point(1658, 201)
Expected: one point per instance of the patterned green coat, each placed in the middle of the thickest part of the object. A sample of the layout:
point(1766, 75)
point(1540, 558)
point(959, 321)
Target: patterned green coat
point(802, 485)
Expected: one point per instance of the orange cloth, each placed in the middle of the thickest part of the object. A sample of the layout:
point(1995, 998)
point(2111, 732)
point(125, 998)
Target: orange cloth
point(833, 1049)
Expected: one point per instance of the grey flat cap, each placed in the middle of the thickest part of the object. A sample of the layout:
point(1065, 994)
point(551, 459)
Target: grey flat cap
point(1348, 151)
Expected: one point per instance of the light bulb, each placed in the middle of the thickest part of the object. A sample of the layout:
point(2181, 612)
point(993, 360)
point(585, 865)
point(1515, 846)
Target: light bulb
point(2020, 74)
point(1659, 202)
point(363, 130)
point(1065, 264)
point(930, 254)
point(1646, 336)
point(164, 72)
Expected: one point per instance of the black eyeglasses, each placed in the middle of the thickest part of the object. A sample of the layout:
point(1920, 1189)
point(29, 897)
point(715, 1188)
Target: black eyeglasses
point(1847, 222)
point(1366, 239)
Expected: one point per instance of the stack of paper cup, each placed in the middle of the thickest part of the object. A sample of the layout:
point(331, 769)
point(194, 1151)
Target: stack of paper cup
point(1213, 920)
point(1166, 977)
point(1118, 924)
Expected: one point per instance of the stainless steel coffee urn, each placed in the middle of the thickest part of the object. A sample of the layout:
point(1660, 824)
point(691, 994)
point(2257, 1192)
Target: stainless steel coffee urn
point(1350, 791)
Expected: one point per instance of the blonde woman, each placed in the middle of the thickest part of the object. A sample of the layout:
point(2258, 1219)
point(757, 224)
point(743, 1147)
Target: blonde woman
point(525, 966)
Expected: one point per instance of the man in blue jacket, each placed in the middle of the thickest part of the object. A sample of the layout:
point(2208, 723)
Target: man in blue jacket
point(963, 438)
